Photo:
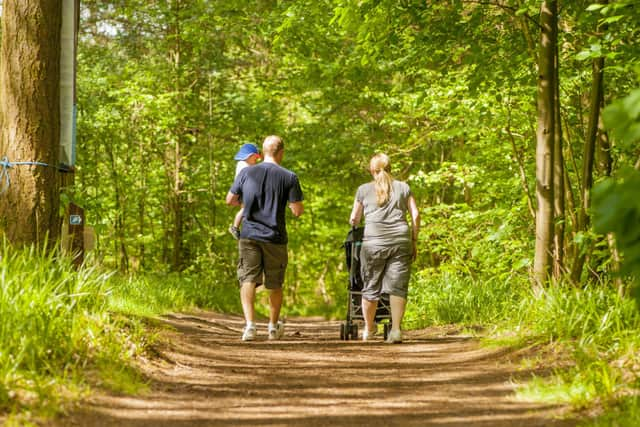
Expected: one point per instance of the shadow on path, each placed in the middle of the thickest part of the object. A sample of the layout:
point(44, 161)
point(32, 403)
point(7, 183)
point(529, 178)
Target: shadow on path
point(206, 376)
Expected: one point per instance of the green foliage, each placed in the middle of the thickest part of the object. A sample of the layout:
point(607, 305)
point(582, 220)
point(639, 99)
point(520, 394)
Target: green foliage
point(151, 295)
point(54, 327)
point(597, 328)
point(622, 118)
point(62, 329)
point(445, 298)
point(596, 317)
point(617, 210)
point(579, 387)
point(166, 96)
point(616, 205)
point(625, 413)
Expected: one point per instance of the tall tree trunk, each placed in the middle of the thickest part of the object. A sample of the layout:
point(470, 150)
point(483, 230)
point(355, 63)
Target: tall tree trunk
point(558, 177)
point(545, 142)
point(177, 195)
point(213, 171)
point(178, 207)
point(142, 197)
point(605, 167)
point(30, 119)
point(120, 248)
point(587, 162)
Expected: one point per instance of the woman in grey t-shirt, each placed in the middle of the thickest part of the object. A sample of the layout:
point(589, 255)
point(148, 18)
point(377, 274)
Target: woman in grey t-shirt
point(388, 245)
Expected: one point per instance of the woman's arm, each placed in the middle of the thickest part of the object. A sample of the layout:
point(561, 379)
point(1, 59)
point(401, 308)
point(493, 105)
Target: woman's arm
point(356, 213)
point(415, 224)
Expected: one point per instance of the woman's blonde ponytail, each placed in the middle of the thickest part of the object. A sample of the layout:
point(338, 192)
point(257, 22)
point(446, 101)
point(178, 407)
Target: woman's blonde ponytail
point(380, 167)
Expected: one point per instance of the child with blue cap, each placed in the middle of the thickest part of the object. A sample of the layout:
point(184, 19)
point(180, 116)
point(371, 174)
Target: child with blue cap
point(247, 155)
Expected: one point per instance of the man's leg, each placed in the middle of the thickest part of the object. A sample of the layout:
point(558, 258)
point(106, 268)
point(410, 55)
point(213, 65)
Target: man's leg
point(248, 298)
point(275, 303)
point(275, 260)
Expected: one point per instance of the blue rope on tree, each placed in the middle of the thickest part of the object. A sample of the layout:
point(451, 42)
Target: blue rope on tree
point(5, 165)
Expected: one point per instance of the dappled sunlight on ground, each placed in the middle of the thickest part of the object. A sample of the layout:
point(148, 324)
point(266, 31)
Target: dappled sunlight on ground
point(205, 376)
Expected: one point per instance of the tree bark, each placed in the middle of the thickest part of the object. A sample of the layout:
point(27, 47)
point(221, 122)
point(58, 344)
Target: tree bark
point(142, 206)
point(30, 119)
point(545, 142)
point(558, 176)
point(588, 161)
point(177, 194)
point(119, 242)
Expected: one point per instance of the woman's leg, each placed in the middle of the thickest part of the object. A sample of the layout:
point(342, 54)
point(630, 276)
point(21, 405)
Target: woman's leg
point(398, 305)
point(396, 284)
point(372, 269)
point(369, 314)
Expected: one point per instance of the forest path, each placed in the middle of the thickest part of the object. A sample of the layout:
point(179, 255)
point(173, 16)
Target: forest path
point(206, 376)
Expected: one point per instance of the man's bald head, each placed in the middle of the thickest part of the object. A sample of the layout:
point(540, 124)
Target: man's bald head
point(272, 145)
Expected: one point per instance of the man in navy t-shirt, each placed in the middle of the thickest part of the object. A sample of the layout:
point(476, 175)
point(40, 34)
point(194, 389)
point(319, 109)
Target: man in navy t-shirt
point(265, 190)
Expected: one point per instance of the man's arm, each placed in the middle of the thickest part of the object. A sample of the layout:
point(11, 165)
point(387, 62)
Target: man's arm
point(233, 199)
point(296, 208)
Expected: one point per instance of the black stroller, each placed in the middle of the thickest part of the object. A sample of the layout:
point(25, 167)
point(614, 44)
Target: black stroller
point(349, 329)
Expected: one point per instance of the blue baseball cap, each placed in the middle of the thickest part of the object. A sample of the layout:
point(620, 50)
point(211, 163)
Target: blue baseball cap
point(246, 151)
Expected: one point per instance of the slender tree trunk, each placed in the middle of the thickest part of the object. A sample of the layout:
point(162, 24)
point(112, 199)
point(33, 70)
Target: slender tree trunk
point(558, 177)
point(588, 160)
point(213, 171)
point(177, 208)
point(545, 142)
point(526, 32)
point(518, 154)
point(120, 248)
point(570, 209)
point(142, 206)
point(178, 175)
point(30, 119)
point(605, 167)
point(604, 159)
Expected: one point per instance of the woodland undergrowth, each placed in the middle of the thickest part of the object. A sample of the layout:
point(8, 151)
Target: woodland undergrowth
point(587, 336)
point(64, 331)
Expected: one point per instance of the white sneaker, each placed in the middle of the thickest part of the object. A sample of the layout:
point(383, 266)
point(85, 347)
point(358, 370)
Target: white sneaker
point(276, 332)
point(394, 337)
point(249, 333)
point(368, 335)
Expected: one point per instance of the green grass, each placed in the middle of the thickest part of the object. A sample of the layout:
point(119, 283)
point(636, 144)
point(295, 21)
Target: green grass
point(623, 413)
point(153, 294)
point(64, 331)
point(601, 331)
point(578, 386)
point(55, 327)
point(436, 299)
point(589, 338)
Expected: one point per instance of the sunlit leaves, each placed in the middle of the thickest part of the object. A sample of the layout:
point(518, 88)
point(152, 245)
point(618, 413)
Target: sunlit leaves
point(616, 202)
point(622, 117)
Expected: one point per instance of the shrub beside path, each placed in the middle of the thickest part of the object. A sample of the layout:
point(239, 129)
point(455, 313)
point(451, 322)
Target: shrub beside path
point(203, 375)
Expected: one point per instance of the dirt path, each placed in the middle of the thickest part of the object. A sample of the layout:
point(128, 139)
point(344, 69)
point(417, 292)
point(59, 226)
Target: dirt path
point(208, 377)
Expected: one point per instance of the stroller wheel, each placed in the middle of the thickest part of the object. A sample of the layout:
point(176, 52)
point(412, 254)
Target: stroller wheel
point(353, 332)
point(343, 331)
point(387, 327)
